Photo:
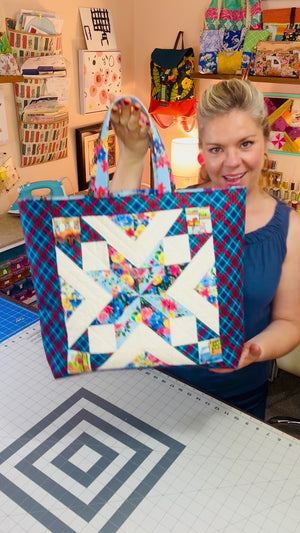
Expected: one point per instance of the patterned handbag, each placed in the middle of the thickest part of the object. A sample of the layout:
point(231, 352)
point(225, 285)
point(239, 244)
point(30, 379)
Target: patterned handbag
point(281, 22)
point(142, 278)
point(277, 58)
point(251, 39)
point(231, 14)
point(221, 42)
point(221, 51)
point(172, 88)
point(229, 59)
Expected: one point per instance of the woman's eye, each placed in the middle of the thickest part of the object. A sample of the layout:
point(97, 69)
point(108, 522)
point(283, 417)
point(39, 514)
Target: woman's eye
point(215, 150)
point(247, 144)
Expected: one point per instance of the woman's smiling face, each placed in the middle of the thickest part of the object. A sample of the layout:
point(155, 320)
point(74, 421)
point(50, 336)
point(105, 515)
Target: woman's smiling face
point(233, 146)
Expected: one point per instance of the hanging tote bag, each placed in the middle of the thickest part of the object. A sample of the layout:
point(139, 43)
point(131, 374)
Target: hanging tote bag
point(172, 88)
point(223, 37)
point(142, 278)
point(231, 14)
point(229, 59)
point(281, 22)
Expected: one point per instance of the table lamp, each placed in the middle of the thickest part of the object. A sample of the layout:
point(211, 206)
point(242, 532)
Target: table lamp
point(184, 161)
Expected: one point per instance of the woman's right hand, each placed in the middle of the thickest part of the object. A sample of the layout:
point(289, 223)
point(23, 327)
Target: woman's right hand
point(132, 128)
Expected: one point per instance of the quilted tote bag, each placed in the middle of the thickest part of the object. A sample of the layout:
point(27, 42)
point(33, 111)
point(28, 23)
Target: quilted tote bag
point(139, 279)
point(231, 14)
point(223, 37)
point(229, 59)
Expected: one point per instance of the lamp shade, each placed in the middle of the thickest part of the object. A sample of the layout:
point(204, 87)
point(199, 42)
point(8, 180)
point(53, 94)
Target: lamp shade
point(184, 161)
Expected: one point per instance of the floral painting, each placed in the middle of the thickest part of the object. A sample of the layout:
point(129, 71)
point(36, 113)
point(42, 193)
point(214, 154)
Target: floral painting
point(99, 77)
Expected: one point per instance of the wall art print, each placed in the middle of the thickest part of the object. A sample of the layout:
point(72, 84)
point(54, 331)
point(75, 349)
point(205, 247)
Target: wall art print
point(99, 77)
point(284, 118)
point(98, 28)
point(86, 139)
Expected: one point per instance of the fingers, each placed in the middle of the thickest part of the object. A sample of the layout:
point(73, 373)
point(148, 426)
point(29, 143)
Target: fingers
point(129, 115)
point(251, 354)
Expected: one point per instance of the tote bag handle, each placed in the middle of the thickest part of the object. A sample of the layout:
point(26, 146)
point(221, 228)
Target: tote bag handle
point(179, 35)
point(163, 178)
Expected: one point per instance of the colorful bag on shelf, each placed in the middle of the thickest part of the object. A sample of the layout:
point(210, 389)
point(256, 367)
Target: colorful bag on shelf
point(140, 278)
point(222, 40)
point(172, 88)
point(229, 59)
point(277, 58)
point(231, 14)
point(252, 37)
point(277, 21)
point(221, 51)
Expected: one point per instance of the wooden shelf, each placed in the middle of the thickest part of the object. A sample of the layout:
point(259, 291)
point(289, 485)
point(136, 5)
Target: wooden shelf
point(260, 79)
point(11, 79)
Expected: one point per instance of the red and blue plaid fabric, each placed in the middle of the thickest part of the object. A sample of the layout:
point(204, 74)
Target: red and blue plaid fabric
point(151, 278)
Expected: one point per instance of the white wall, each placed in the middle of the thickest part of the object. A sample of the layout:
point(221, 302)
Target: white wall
point(141, 26)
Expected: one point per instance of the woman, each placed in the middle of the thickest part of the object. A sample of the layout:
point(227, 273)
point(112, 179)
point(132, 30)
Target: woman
point(233, 135)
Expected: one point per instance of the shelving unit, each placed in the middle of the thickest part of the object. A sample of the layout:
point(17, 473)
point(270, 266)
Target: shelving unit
point(259, 79)
point(11, 79)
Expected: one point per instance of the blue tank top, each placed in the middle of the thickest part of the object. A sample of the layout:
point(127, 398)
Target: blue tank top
point(265, 250)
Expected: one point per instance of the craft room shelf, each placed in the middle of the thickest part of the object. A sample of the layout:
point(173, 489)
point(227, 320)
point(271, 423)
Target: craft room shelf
point(10, 79)
point(260, 79)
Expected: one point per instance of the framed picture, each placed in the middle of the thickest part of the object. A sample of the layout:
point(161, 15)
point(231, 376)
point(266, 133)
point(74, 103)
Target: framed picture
point(284, 118)
point(86, 139)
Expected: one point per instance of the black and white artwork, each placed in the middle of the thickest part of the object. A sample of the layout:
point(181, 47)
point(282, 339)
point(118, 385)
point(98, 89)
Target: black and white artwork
point(98, 28)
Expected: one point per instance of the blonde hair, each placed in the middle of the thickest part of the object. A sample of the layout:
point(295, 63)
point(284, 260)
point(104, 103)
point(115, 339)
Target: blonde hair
point(227, 95)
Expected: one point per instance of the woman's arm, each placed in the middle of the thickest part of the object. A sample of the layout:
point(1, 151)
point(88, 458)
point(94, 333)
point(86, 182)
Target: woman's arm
point(132, 130)
point(283, 333)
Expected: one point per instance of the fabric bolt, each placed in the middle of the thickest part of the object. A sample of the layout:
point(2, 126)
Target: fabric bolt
point(265, 250)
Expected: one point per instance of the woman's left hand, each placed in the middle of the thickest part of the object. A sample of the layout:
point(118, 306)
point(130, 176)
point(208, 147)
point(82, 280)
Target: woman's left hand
point(250, 354)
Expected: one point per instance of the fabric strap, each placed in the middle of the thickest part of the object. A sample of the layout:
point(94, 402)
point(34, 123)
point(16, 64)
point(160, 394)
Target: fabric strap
point(162, 173)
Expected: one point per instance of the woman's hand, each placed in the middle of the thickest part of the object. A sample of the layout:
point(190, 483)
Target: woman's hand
point(251, 353)
point(132, 130)
point(131, 127)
